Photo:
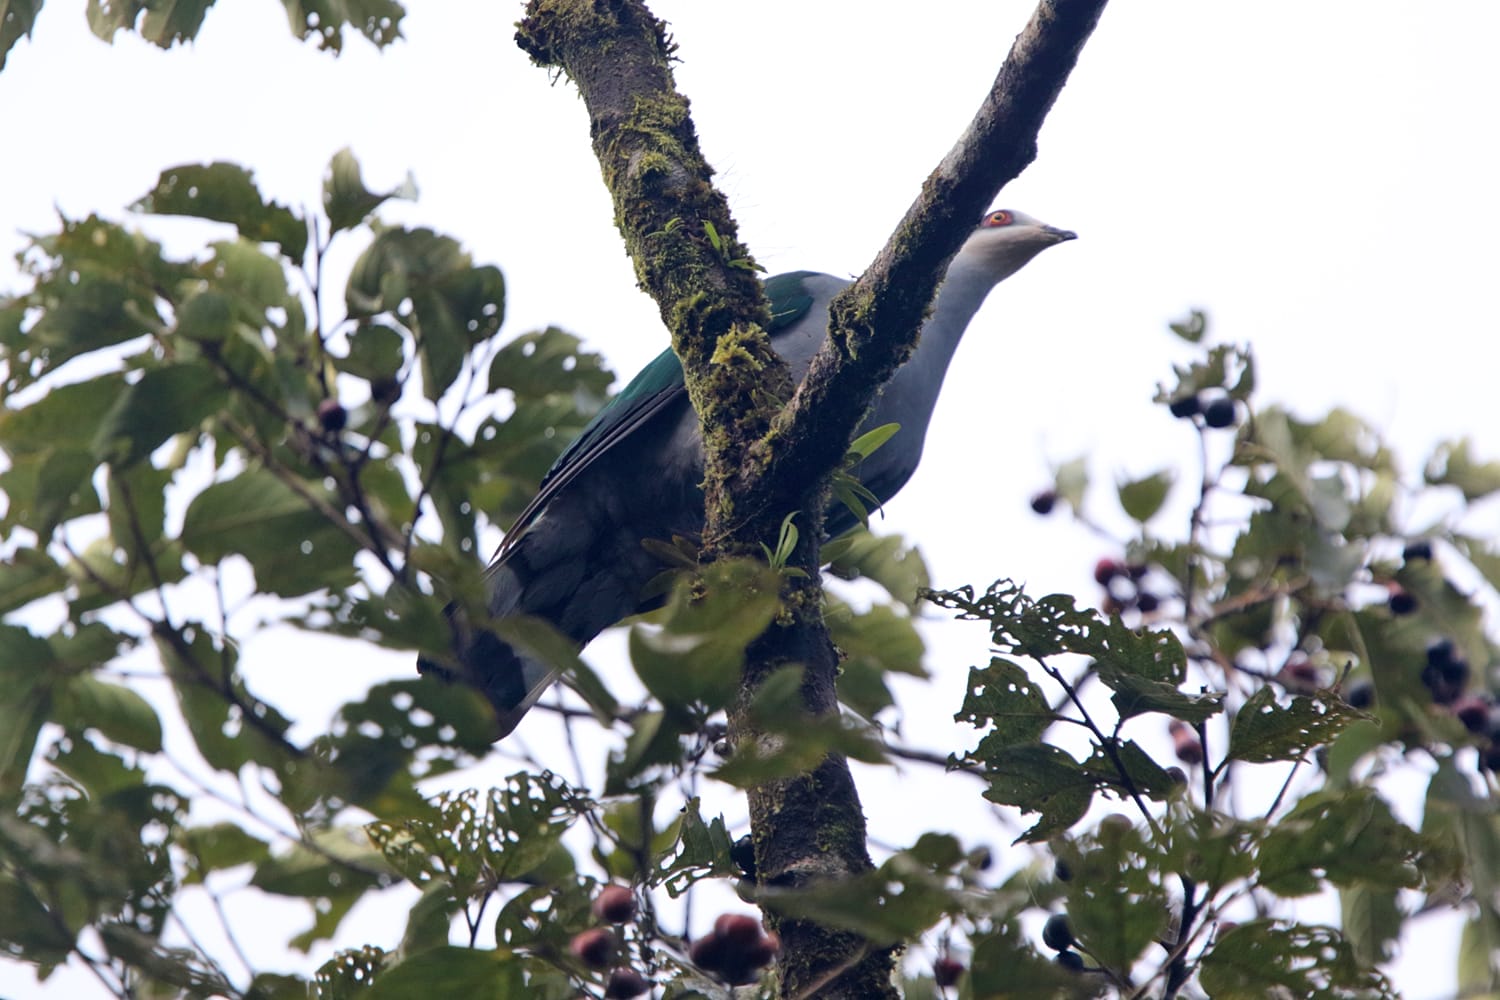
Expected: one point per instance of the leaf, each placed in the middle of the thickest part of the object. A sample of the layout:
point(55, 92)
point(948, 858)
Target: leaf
point(164, 24)
point(16, 20)
point(1193, 328)
point(1142, 498)
point(1252, 960)
point(434, 289)
point(889, 560)
point(696, 656)
point(378, 20)
point(226, 192)
point(162, 402)
point(1137, 695)
point(118, 713)
point(1452, 465)
point(346, 200)
point(1348, 838)
point(1071, 481)
point(219, 847)
point(27, 929)
point(1004, 698)
point(451, 971)
point(1039, 779)
point(292, 546)
point(1265, 731)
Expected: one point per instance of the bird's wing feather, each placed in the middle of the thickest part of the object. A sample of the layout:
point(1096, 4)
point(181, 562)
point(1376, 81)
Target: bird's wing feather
point(653, 389)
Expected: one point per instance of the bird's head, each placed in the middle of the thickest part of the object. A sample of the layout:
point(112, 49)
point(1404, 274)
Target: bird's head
point(1005, 241)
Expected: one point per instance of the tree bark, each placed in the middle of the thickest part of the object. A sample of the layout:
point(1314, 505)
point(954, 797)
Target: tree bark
point(765, 456)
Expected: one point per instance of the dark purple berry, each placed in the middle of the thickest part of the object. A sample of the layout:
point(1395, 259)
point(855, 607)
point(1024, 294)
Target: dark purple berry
point(1440, 652)
point(1062, 871)
point(331, 416)
point(1057, 933)
point(1184, 406)
point(1401, 601)
point(946, 971)
point(385, 391)
point(1070, 960)
point(1473, 712)
point(1220, 413)
point(593, 948)
point(1044, 501)
point(624, 984)
point(1418, 551)
point(615, 904)
point(1147, 602)
point(1361, 694)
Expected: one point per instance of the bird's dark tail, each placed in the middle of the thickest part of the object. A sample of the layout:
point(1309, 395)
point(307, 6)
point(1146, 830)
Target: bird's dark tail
point(508, 677)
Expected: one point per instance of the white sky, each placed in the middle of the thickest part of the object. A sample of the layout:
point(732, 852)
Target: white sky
point(1320, 177)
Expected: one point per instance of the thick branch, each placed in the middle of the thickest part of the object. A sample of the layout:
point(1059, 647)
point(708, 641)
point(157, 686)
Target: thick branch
point(874, 323)
point(676, 225)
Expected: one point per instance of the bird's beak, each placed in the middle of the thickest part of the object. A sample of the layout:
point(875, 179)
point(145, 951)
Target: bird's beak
point(1059, 235)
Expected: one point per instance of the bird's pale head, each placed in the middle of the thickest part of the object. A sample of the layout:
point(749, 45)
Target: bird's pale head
point(1005, 240)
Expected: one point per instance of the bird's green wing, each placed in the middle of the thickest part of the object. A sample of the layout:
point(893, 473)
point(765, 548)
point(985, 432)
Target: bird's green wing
point(653, 389)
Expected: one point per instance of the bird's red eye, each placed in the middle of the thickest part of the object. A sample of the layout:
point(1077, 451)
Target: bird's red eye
point(1001, 218)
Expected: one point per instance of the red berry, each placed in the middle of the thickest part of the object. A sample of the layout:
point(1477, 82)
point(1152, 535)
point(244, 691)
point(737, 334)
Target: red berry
point(709, 952)
point(594, 947)
point(624, 984)
point(947, 970)
point(1107, 569)
point(615, 904)
point(1299, 675)
point(764, 951)
point(738, 930)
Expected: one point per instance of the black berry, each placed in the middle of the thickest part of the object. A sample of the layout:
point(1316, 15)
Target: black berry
point(593, 948)
point(615, 904)
point(1220, 413)
point(1361, 694)
point(331, 416)
point(1057, 933)
point(1044, 501)
point(1418, 551)
point(624, 984)
point(1070, 960)
point(1401, 601)
point(1184, 406)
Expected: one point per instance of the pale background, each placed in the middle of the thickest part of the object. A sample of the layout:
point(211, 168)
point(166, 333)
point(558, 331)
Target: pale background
point(1319, 176)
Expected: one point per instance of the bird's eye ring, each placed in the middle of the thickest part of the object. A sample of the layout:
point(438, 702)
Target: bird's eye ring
point(1001, 218)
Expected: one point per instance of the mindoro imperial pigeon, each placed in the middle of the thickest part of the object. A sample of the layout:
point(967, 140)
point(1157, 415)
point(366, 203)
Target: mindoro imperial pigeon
point(575, 557)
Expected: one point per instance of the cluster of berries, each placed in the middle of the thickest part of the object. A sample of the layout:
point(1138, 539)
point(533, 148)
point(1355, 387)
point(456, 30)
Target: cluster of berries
point(1124, 587)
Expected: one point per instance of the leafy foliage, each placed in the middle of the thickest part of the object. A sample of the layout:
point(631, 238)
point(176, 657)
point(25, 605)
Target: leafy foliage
point(194, 453)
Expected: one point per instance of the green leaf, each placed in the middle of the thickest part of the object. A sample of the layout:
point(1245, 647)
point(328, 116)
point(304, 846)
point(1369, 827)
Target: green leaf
point(26, 663)
point(1003, 697)
point(1005, 964)
point(1193, 328)
point(226, 192)
point(1142, 498)
point(117, 712)
point(889, 560)
point(550, 362)
point(164, 401)
point(451, 971)
point(1452, 465)
point(876, 643)
point(696, 656)
point(1348, 838)
point(378, 20)
point(219, 847)
point(1252, 960)
point(1039, 779)
point(27, 929)
point(1372, 920)
point(292, 546)
point(1137, 695)
point(1071, 481)
point(435, 290)
point(1265, 731)
point(346, 200)
point(16, 20)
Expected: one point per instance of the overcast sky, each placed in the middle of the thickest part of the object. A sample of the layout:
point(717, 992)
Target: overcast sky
point(1319, 177)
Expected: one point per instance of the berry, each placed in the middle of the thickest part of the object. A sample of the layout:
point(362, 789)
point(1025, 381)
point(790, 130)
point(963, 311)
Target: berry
point(947, 970)
point(1418, 551)
point(1473, 712)
point(1115, 826)
point(1361, 694)
point(593, 948)
point(1107, 569)
point(1147, 602)
point(1184, 406)
point(1489, 760)
point(1220, 413)
point(1446, 682)
point(1177, 775)
point(738, 930)
point(709, 953)
point(1401, 601)
point(331, 416)
point(1136, 570)
point(615, 904)
point(624, 984)
point(385, 391)
point(1299, 676)
point(1188, 747)
point(1440, 652)
point(1070, 960)
point(1044, 501)
point(1057, 933)
point(1062, 871)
